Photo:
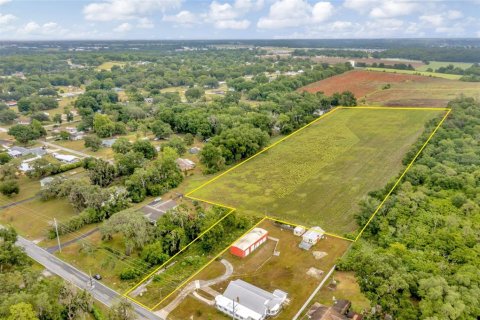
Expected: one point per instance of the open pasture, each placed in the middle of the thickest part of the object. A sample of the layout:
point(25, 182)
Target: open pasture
point(418, 73)
point(426, 94)
point(318, 175)
point(437, 64)
point(395, 89)
point(109, 64)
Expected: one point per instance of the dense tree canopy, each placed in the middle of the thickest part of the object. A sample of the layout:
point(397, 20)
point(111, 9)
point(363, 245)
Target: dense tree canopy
point(419, 257)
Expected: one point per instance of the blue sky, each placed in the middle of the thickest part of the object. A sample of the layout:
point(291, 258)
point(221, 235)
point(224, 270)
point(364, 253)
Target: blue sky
point(238, 19)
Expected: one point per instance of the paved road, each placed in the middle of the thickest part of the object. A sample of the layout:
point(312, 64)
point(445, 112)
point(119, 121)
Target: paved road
point(69, 273)
point(56, 146)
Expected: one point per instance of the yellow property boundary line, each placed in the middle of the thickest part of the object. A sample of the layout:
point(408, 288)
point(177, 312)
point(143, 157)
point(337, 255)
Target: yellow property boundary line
point(188, 195)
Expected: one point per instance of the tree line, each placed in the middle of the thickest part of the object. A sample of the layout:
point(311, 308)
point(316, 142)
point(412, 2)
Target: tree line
point(419, 257)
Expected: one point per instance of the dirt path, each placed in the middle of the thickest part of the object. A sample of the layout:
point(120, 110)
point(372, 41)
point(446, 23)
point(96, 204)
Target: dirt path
point(194, 285)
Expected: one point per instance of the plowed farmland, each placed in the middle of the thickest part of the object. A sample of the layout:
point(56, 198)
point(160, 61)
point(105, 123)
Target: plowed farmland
point(394, 89)
point(362, 83)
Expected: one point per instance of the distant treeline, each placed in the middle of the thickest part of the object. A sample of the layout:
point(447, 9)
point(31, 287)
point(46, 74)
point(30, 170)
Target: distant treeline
point(471, 74)
point(330, 53)
point(433, 54)
point(13, 47)
point(398, 66)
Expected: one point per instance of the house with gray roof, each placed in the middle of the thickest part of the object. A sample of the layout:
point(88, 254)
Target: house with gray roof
point(242, 300)
point(108, 143)
point(21, 151)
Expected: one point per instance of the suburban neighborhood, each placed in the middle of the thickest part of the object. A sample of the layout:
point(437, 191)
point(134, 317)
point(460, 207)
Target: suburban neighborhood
point(239, 159)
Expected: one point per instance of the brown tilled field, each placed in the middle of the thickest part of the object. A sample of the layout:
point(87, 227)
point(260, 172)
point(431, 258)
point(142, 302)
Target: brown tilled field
point(362, 83)
point(405, 90)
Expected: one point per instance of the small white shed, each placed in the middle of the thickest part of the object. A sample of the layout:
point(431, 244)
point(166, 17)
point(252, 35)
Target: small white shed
point(313, 235)
point(299, 231)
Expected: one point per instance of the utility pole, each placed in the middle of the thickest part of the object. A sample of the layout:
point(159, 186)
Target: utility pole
point(58, 238)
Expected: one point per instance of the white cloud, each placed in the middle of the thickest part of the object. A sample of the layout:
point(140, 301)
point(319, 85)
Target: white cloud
point(382, 9)
point(124, 27)
point(294, 13)
point(184, 17)
point(232, 24)
point(435, 20)
point(30, 27)
point(145, 23)
point(391, 9)
point(7, 18)
point(341, 25)
point(221, 11)
point(46, 29)
point(361, 6)
point(126, 9)
point(454, 14)
point(248, 5)
point(2, 2)
point(231, 15)
point(322, 11)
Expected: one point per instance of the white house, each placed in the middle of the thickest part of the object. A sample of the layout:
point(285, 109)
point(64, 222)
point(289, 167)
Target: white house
point(66, 158)
point(242, 300)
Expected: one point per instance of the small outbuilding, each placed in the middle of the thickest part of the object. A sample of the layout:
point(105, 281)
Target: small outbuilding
point(185, 164)
point(313, 235)
point(299, 231)
point(249, 242)
point(66, 158)
point(108, 143)
point(194, 150)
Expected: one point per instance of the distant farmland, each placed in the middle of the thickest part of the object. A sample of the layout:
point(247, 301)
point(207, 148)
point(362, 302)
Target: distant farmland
point(361, 82)
point(395, 89)
point(319, 175)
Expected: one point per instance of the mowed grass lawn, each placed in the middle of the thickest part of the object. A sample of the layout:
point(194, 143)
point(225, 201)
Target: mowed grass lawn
point(318, 175)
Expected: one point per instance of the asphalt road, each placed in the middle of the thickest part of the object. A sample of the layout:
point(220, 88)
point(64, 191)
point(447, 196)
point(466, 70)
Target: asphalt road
point(75, 152)
point(80, 279)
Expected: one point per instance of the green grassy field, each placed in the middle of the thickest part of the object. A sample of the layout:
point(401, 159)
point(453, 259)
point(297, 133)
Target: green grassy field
point(437, 64)
point(347, 288)
point(319, 175)
point(419, 73)
point(109, 64)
